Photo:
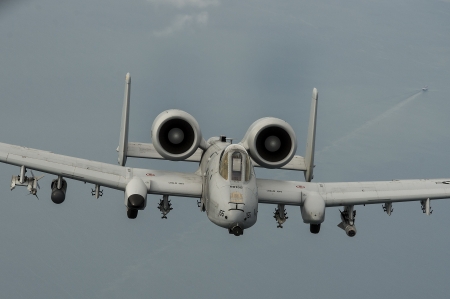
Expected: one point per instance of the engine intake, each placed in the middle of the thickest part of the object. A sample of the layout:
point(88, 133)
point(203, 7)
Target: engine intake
point(271, 142)
point(176, 134)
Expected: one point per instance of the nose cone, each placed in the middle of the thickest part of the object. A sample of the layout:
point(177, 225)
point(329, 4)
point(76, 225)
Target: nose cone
point(241, 219)
point(235, 217)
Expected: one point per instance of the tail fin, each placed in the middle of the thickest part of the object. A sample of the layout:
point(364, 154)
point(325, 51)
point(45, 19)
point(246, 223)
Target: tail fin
point(310, 143)
point(123, 141)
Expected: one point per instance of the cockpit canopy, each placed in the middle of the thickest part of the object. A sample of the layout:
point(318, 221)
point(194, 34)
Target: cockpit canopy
point(235, 164)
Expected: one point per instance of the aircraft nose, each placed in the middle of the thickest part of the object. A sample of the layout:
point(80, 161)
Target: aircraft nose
point(236, 218)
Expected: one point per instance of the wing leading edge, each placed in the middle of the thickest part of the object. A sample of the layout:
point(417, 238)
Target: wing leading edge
point(103, 174)
point(354, 193)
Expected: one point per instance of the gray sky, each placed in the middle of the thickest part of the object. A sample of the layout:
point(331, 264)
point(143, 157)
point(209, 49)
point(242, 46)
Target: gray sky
point(227, 63)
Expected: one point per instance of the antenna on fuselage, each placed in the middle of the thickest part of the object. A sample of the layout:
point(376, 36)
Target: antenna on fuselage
point(224, 138)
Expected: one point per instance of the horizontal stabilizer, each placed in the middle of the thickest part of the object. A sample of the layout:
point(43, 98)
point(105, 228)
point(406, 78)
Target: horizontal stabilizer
point(148, 151)
point(297, 163)
point(341, 225)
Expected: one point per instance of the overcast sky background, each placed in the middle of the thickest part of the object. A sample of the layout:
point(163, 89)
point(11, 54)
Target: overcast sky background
point(228, 63)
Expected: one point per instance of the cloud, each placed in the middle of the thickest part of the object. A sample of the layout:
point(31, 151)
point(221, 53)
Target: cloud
point(182, 22)
point(186, 3)
point(202, 18)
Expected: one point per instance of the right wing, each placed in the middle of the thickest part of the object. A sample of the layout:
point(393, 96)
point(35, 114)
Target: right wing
point(102, 174)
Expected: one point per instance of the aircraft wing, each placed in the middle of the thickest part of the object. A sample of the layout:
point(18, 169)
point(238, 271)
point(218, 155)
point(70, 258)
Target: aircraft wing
point(103, 174)
point(352, 193)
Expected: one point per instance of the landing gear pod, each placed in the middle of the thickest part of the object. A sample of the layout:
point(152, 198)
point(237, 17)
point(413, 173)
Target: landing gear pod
point(313, 211)
point(135, 197)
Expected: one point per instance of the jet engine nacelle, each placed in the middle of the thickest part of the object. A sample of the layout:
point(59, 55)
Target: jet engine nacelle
point(313, 208)
point(176, 135)
point(136, 194)
point(58, 195)
point(271, 142)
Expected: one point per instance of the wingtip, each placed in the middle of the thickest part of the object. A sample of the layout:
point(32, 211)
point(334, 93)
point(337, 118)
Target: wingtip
point(315, 94)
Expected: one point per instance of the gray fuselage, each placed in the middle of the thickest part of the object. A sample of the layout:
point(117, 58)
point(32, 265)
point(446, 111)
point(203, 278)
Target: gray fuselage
point(230, 195)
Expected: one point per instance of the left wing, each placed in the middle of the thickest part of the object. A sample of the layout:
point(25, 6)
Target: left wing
point(354, 193)
point(313, 198)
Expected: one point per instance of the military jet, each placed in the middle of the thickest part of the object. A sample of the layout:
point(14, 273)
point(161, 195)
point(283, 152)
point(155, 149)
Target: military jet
point(225, 184)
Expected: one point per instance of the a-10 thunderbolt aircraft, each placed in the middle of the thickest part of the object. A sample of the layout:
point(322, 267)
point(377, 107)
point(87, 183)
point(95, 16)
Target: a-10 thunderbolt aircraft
point(225, 182)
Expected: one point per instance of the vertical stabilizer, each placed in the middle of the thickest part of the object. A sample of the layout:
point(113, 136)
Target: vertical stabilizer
point(310, 143)
point(123, 142)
